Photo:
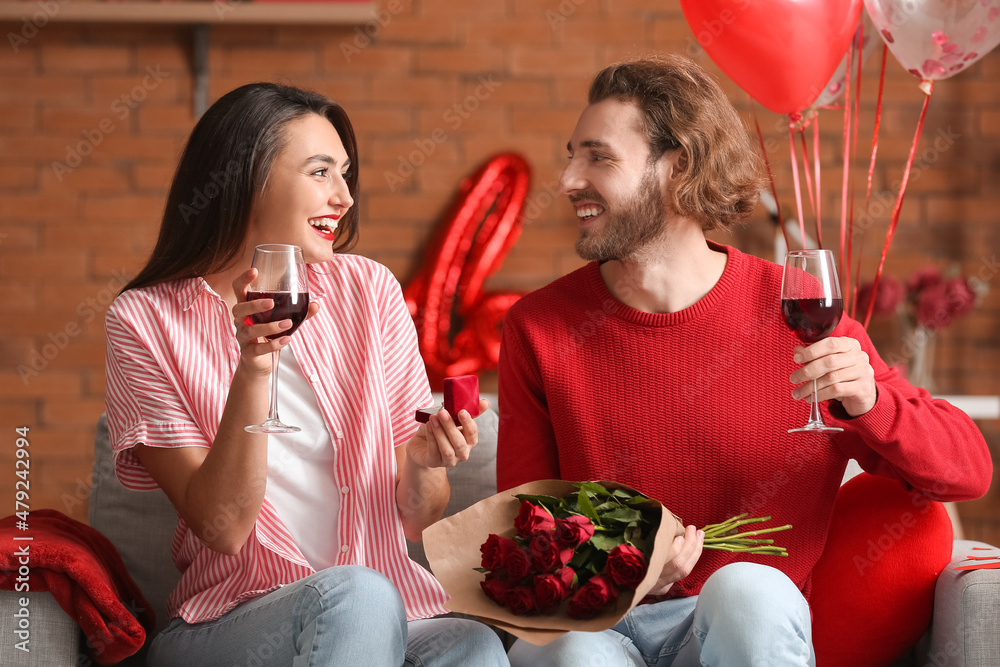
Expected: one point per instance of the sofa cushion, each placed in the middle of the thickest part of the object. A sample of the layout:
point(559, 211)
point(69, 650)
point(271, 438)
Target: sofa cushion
point(966, 612)
point(140, 524)
point(53, 637)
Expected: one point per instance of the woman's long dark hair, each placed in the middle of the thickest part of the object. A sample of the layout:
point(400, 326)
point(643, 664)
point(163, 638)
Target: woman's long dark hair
point(225, 163)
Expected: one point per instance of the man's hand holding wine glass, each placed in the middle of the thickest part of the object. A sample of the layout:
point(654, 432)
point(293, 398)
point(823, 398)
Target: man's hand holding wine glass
point(842, 370)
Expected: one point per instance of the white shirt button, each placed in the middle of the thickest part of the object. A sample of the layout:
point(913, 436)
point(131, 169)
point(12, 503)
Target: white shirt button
point(343, 548)
point(344, 489)
point(340, 434)
point(314, 377)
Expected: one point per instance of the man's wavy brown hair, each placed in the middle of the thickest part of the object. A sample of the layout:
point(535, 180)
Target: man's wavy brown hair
point(684, 108)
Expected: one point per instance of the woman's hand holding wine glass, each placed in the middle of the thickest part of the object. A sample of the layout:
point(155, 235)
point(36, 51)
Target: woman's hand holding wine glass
point(273, 300)
point(256, 344)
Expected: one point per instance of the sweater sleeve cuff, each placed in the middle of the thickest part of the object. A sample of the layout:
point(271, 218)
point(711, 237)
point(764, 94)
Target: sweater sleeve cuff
point(878, 421)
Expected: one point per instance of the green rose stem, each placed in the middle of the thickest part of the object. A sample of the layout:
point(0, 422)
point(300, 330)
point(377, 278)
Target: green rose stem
point(723, 536)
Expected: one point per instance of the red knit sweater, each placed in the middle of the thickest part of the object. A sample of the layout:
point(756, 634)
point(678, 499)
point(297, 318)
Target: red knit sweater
point(692, 408)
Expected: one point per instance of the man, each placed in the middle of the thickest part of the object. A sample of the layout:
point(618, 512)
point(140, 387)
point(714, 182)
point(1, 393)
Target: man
point(664, 364)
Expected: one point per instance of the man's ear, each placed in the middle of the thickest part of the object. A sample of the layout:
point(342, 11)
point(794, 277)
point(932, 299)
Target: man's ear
point(678, 162)
point(673, 164)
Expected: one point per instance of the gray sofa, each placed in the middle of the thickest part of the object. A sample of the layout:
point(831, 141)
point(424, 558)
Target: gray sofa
point(141, 525)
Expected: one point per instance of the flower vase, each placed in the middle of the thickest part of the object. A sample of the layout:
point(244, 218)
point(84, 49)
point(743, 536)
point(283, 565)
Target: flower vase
point(920, 369)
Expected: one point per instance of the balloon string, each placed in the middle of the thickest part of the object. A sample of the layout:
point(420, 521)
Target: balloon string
point(878, 121)
point(857, 91)
point(871, 164)
point(852, 281)
point(819, 197)
point(809, 182)
point(844, 177)
point(795, 181)
point(927, 85)
point(770, 176)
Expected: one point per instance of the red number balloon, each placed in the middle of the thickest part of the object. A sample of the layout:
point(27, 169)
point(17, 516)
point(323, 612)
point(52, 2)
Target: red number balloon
point(458, 324)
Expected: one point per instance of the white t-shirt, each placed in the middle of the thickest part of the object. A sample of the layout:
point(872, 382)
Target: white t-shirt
point(300, 472)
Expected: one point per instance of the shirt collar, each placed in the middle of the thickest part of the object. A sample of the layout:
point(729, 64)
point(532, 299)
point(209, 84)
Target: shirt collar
point(315, 289)
point(190, 290)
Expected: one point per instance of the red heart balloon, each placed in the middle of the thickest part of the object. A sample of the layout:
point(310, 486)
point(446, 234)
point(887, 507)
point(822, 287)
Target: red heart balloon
point(782, 52)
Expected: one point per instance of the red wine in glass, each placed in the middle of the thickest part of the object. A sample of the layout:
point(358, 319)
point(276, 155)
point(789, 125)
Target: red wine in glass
point(812, 319)
point(287, 306)
point(282, 276)
point(812, 306)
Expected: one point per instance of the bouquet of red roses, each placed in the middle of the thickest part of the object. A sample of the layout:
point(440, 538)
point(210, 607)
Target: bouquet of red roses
point(562, 556)
point(587, 547)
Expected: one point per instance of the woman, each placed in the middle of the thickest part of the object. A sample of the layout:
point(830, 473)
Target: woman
point(290, 546)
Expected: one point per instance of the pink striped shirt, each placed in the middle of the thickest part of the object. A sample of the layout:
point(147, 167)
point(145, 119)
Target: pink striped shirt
point(172, 352)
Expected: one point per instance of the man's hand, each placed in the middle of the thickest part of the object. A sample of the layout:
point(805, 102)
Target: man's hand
point(441, 443)
point(842, 372)
point(687, 550)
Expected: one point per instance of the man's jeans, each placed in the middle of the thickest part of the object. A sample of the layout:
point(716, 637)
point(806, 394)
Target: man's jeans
point(346, 615)
point(747, 614)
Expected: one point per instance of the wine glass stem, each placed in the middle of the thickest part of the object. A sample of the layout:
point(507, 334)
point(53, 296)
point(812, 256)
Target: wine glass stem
point(272, 413)
point(814, 415)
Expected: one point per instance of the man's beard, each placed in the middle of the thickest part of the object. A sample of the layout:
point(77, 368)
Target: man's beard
point(628, 230)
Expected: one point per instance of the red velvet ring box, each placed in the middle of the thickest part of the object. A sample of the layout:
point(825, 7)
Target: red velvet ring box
point(460, 393)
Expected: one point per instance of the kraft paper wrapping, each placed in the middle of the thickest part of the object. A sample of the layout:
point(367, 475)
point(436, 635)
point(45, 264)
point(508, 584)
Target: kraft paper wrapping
point(452, 548)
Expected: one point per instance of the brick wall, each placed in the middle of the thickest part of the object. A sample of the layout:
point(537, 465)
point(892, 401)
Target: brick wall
point(93, 117)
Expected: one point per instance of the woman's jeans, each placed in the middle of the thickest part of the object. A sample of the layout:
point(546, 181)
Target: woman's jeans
point(747, 614)
point(342, 616)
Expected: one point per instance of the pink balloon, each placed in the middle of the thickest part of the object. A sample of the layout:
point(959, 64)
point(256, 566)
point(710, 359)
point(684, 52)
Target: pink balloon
point(838, 82)
point(936, 39)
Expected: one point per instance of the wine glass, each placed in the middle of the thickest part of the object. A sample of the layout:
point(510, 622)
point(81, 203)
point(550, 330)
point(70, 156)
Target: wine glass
point(812, 307)
point(281, 276)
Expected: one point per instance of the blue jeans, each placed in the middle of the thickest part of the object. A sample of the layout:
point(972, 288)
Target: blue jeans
point(747, 614)
point(346, 615)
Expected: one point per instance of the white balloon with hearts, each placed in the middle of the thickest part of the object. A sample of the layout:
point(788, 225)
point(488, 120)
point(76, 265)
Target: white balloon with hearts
point(936, 39)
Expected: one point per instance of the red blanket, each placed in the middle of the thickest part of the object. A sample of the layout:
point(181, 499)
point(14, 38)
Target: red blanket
point(86, 576)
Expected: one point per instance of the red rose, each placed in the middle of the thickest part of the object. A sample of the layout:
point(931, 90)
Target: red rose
point(521, 600)
point(626, 566)
point(552, 589)
point(923, 279)
point(944, 302)
point(545, 553)
point(533, 519)
point(592, 598)
point(890, 295)
point(496, 589)
point(518, 564)
point(494, 549)
point(573, 531)
point(961, 296)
